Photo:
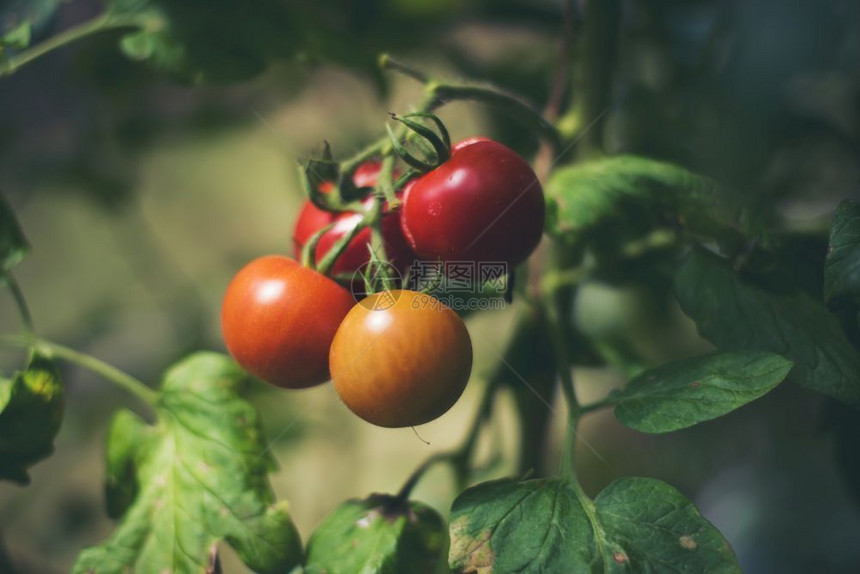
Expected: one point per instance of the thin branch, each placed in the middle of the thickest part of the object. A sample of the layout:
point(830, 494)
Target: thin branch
point(20, 302)
point(100, 23)
point(107, 371)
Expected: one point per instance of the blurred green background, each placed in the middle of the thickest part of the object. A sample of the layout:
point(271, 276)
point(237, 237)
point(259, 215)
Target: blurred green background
point(142, 195)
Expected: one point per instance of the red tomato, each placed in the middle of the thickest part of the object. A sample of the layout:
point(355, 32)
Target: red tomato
point(279, 319)
point(484, 204)
point(400, 358)
point(312, 219)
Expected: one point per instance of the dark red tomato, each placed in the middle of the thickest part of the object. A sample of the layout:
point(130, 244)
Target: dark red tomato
point(312, 219)
point(400, 359)
point(279, 319)
point(484, 204)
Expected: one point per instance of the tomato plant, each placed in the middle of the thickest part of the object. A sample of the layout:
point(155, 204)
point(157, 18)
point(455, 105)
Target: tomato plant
point(279, 319)
point(673, 187)
point(312, 219)
point(400, 359)
point(482, 204)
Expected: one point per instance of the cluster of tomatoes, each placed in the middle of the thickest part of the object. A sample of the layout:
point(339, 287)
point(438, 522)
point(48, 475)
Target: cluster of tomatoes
point(397, 358)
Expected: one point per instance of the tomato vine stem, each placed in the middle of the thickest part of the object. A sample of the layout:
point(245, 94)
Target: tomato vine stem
point(325, 264)
point(20, 302)
point(593, 78)
point(107, 371)
point(100, 23)
point(461, 456)
point(568, 388)
point(548, 150)
point(607, 401)
point(439, 92)
point(504, 102)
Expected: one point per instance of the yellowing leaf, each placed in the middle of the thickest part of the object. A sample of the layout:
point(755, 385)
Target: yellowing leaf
point(195, 478)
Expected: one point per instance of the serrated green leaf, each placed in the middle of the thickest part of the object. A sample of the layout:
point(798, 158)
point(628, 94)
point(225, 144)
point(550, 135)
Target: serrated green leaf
point(127, 440)
point(13, 244)
point(201, 476)
point(531, 526)
point(31, 411)
point(205, 40)
point(734, 313)
point(634, 525)
point(842, 266)
point(650, 527)
point(683, 393)
point(378, 535)
point(604, 201)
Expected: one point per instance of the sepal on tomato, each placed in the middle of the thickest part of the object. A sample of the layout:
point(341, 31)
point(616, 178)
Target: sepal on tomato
point(316, 177)
point(440, 143)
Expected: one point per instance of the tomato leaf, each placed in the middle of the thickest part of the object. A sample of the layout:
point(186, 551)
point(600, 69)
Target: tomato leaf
point(734, 313)
point(649, 522)
point(531, 526)
point(631, 196)
point(200, 478)
point(205, 40)
point(127, 432)
point(842, 266)
point(13, 244)
point(683, 393)
point(31, 411)
point(379, 534)
point(635, 524)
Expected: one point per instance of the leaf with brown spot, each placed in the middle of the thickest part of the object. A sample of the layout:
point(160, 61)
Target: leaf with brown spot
point(531, 526)
point(635, 524)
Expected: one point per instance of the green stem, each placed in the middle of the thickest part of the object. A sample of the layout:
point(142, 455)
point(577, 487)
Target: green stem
point(594, 77)
point(109, 372)
point(439, 93)
point(508, 104)
point(460, 457)
point(593, 83)
point(100, 23)
point(568, 388)
point(21, 303)
point(547, 152)
point(386, 62)
point(406, 490)
point(608, 401)
point(325, 264)
point(554, 280)
point(349, 165)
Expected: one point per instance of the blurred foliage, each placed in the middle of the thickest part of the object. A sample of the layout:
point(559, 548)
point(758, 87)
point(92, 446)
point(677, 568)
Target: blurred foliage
point(31, 411)
point(760, 96)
